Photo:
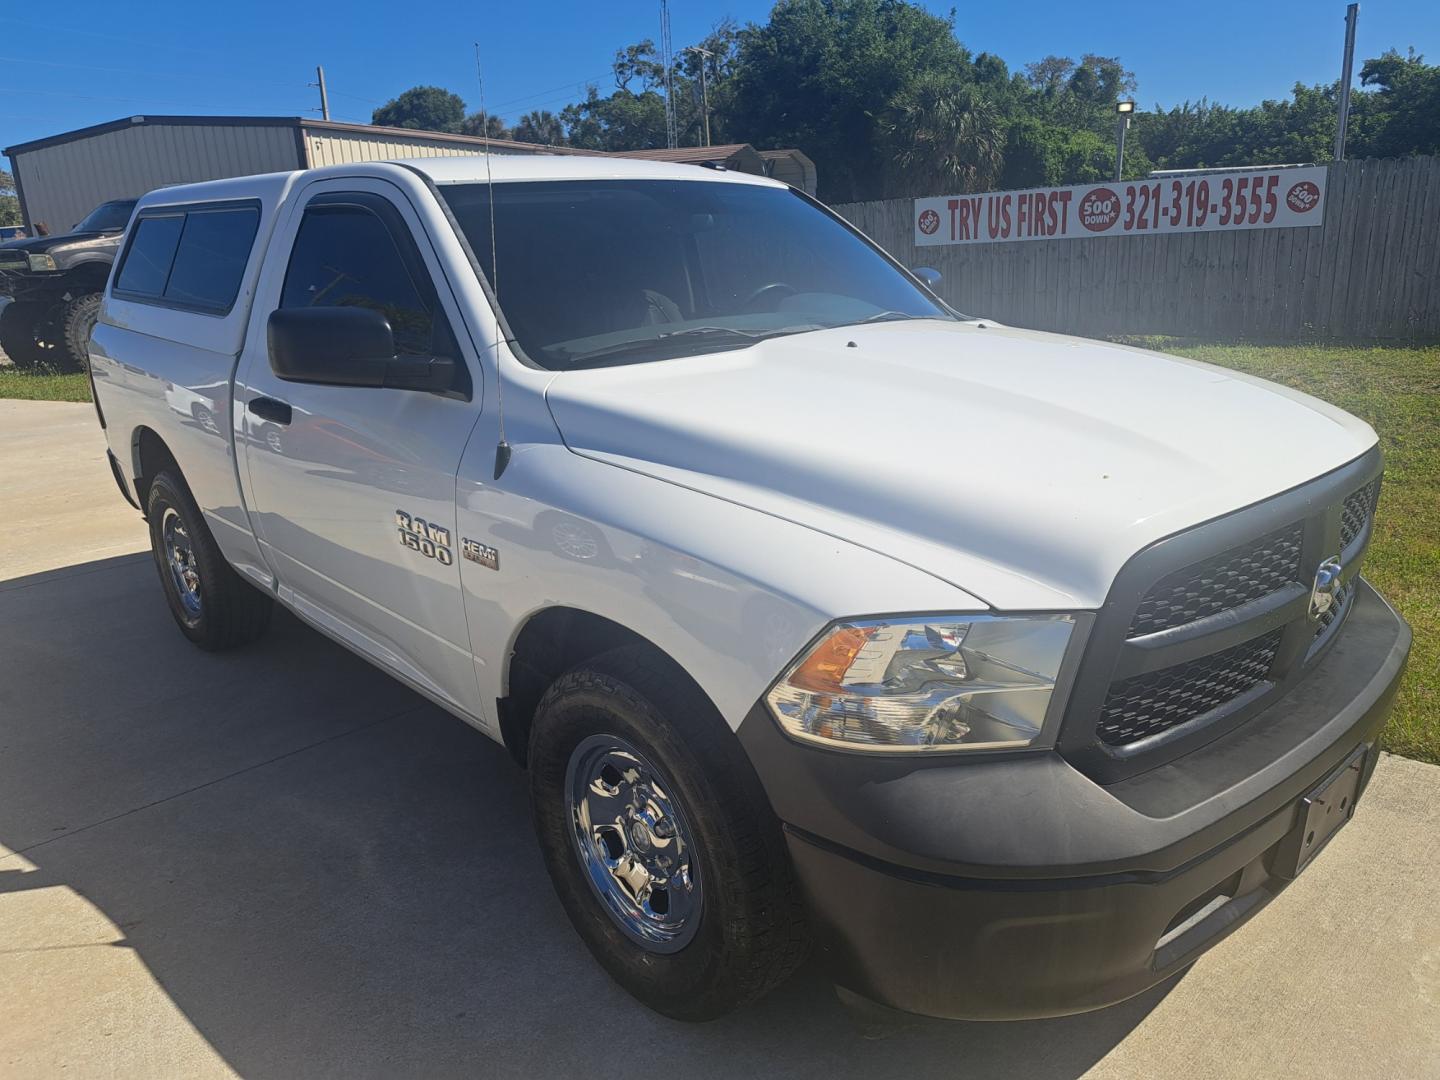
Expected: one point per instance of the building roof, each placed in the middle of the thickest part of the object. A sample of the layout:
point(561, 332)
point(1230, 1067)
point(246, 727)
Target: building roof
point(299, 122)
point(690, 154)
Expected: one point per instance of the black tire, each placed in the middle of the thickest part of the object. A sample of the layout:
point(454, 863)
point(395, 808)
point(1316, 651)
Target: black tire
point(77, 321)
point(227, 610)
point(18, 320)
point(752, 931)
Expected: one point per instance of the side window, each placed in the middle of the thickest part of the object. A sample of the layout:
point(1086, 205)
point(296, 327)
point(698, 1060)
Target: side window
point(346, 256)
point(210, 261)
point(189, 257)
point(150, 255)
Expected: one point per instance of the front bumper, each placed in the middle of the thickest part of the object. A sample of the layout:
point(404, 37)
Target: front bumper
point(1014, 886)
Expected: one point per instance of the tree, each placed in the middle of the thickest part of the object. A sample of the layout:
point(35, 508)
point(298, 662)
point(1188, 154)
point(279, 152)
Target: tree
point(944, 136)
point(490, 126)
point(426, 108)
point(822, 75)
point(622, 121)
point(9, 200)
point(1402, 116)
point(540, 126)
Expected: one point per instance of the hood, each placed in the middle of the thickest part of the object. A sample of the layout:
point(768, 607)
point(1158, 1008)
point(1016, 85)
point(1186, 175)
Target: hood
point(1022, 467)
point(40, 244)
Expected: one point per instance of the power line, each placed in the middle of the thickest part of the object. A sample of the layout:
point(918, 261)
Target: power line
point(554, 89)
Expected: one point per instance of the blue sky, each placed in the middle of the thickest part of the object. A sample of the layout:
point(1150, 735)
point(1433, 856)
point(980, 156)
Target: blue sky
point(65, 66)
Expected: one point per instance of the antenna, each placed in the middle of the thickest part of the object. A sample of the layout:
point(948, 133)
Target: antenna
point(667, 62)
point(502, 448)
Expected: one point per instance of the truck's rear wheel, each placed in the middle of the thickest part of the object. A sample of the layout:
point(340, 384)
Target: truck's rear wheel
point(77, 320)
point(213, 606)
point(18, 323)
point(659, 840)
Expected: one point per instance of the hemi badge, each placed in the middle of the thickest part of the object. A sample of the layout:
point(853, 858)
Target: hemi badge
point(480, 553)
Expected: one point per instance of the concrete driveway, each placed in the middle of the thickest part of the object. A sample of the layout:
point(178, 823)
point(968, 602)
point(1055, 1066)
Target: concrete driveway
point(278, 862)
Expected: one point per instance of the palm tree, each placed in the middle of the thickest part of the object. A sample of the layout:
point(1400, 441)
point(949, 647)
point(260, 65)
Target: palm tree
point(944, 136)
point(540, 126)
point(490, 126)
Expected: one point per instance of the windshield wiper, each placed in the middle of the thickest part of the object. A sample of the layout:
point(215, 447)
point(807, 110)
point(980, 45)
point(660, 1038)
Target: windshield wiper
point(718, 334)
point(890, 316)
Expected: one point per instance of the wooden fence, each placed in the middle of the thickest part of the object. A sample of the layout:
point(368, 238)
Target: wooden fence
point(1370, 272)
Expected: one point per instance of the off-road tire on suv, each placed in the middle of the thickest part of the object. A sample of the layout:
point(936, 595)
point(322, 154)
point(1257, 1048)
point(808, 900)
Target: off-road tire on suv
point(752, 931)
point(77, 320)
point(216, 608)
point(18, 320)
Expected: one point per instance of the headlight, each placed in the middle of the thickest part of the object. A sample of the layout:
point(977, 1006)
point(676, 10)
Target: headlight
point(41, 262)
point(947, 682)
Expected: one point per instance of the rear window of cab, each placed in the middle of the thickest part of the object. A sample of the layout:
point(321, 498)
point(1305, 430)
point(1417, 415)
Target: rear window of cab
point(188, 257)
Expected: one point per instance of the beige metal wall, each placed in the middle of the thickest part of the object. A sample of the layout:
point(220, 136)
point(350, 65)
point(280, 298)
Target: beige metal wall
point(65, 182)
point(1372, 270)
point(342, 148)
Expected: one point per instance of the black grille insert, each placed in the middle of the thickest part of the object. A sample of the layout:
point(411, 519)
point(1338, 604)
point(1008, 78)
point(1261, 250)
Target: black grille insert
point(1335, 609)
point(1221, 582)
point(1356, 512)
point(1157, 701)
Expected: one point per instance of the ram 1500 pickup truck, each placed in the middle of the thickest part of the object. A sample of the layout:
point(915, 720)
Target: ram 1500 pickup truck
point(1006, 670)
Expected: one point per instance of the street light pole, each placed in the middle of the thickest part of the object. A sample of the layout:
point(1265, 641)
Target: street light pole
point(1123, 111)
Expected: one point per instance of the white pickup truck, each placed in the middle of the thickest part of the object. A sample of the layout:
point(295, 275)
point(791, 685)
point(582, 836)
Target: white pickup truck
point(1006, 670)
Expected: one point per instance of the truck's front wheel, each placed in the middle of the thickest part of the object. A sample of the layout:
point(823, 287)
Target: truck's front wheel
point(659, 840)
point(18, 322)
point(213, 606)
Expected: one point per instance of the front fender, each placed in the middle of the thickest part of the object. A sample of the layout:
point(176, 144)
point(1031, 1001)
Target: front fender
point(730, 593)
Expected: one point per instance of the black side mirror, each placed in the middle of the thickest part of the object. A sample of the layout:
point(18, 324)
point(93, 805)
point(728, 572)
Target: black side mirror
point(348, 346)
point(929, 275)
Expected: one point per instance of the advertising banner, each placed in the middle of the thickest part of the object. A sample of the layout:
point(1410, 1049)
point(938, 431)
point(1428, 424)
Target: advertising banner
point(1209, 202)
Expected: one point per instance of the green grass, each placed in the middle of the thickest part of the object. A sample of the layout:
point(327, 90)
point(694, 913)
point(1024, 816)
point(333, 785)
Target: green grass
point(1397, 391)
point(36, 386)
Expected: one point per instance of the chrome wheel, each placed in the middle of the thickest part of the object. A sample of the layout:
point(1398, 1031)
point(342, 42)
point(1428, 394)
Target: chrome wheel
point(633, 843)
point(180, 558)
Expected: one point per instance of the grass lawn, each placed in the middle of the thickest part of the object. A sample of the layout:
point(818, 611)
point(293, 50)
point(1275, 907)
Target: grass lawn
point(1397, 390)
point(31, 386)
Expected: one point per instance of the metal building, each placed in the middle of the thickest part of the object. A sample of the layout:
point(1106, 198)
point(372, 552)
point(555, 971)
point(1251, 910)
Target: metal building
point(61, 178)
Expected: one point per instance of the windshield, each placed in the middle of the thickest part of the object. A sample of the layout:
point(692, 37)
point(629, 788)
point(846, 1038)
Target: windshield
point(108, 217)
point(598, 272)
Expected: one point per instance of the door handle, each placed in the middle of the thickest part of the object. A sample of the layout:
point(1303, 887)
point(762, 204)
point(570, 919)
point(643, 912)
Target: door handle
point(267, 408)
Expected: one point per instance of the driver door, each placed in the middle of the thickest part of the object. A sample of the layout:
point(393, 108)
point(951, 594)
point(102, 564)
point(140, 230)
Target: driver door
point(351, 490)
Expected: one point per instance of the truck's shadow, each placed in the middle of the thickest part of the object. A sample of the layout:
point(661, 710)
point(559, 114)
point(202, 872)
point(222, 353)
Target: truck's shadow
point(330, 877)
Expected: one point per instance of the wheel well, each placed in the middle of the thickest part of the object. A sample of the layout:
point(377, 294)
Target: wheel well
point(88, 277)
point(553, 642)
point(150, 456)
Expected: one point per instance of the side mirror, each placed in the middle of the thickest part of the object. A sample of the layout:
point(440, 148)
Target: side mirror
point(348, 346)
point(929, 275)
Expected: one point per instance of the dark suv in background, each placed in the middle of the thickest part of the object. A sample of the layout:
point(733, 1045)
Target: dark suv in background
point(54, 285)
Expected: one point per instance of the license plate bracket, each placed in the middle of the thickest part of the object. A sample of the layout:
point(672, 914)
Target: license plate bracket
point(1329, 805)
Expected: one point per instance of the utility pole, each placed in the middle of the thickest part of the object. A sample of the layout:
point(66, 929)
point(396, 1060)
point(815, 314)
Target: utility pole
point(705, 55)
point(324, 98)
point(667, 62)
point(1347, 72)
